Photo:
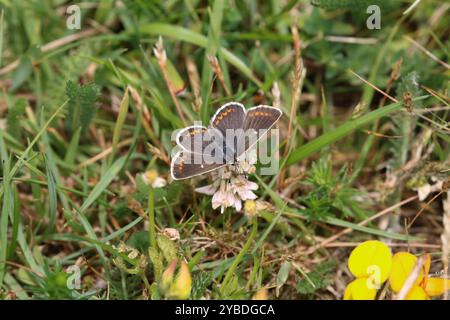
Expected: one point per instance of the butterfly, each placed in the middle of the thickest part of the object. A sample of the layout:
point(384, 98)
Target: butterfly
point(232, 131)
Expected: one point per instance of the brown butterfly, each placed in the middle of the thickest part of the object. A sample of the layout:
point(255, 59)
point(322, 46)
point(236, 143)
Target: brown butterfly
point(206, 149)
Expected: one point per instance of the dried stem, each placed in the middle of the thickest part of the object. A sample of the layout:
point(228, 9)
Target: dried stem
point(296, 85)
point(374, 87)
point(194, 80)
point(215, 66)
point(160, 54)
point(395, 74)
point(362, 223)
point(296, 80)
point(151, 218)
point(146, 122)
point(428, 53)
point(445, 239)
point(409, 283)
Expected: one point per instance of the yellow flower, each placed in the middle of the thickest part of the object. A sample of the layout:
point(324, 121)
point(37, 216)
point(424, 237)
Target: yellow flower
point(250, 208)
point(180, 288)
point(437, 286)
point(167, 276)
point(370, 262)
point(261, 294)
point(424, 287)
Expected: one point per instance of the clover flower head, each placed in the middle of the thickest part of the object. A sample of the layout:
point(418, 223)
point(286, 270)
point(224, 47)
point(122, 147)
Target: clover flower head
point(151, 177)
point(230, 185)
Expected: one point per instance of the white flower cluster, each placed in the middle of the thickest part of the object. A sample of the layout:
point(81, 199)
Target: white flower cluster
point(230, 186)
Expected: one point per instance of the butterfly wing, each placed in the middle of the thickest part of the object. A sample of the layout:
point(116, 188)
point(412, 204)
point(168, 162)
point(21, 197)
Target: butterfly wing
point(229, 116)
point(259, 120)
point(186, 165)
point(262, 118)
point(197, 139)
point(229, 119)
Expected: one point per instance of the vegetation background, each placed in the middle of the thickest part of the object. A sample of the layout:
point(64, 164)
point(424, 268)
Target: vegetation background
point(86, 118)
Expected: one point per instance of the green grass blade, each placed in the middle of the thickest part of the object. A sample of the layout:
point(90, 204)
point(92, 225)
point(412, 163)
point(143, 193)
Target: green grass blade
point(377, 232)
point(317, 144)
point(28, 255)
point(211, 50)
point(104, 182)
point(7, 208)
point(2, 14)
point(123, 111)
point(193, 37)
point(21, 159)
point(52, 198)
point(72, 150)
point(15, 287)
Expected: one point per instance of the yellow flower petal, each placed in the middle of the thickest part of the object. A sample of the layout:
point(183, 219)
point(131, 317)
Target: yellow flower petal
point(437, 286)
point(360, 289)
point(402, 265)
point(348, 292)
point(371, 258)
point(181, 287)
point(427, 264)
point(261, 294)
point(167, 276)
point(417, 293)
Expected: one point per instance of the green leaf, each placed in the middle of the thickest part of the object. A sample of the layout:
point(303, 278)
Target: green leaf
point(81, 105)
point(157, 262)
point(139, 240)
point(2, 14)
point(176, 81)
point(199, 284)
point(72, 150)
point(12, 118)
point(106, 179)
point(123, 111)
point(6, 209)
point(167, 247)
point(317, 279)
point(101, 186)
point(283, 275)
point(52, 197)
point(22, 73)
point(359, 5)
